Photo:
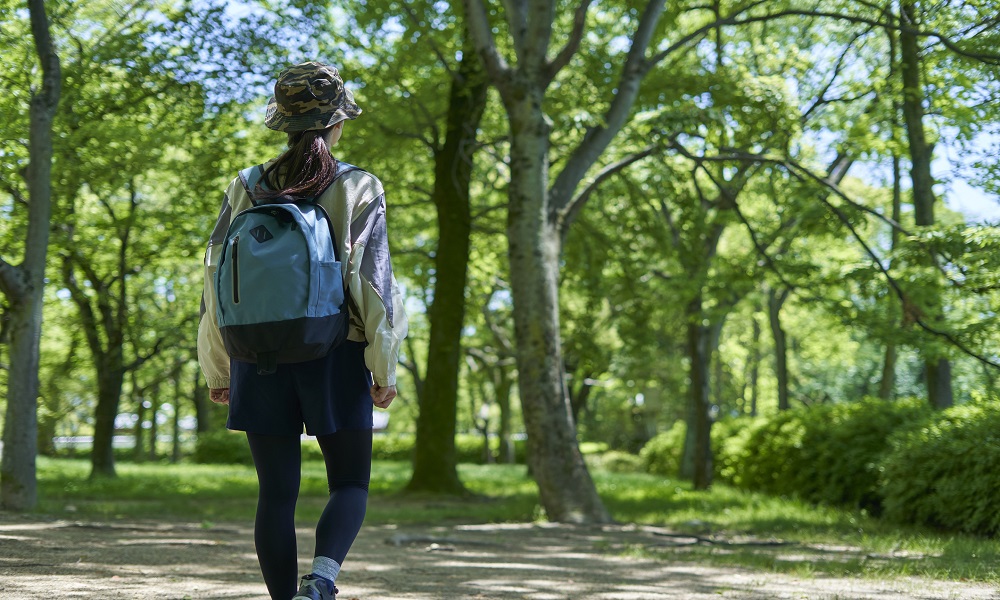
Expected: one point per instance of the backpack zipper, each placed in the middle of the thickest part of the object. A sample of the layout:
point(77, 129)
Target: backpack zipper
point(236, 270)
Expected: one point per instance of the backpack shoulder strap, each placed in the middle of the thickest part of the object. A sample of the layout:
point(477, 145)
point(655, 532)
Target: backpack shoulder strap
point(342, 169)
point(249, 177)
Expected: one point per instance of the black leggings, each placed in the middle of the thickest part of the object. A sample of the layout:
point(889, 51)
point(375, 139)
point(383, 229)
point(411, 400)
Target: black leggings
point(348, 456)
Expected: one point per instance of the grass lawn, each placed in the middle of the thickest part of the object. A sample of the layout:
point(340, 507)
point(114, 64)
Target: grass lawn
point(816, 539)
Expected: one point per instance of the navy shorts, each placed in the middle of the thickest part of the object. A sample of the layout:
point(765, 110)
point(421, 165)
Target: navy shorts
point(326, 395)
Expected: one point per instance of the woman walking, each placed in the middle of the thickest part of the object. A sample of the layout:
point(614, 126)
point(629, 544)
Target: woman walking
point(331, 396)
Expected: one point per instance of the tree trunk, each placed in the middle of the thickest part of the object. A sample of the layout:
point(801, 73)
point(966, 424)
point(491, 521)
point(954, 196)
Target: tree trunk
point(566, 489)
point(536, 222)
point(175, 450)
point(24, 285)
point(775, 301)
point(503, 385)
point(138, 397)
point(154, 400)
point(755, 359)
point(47, 435)
point(718, 387)
point(937, 366)
point(110, 374)
point(579, 397)
point(696, 463)
point(887, 384)
point(434, 458)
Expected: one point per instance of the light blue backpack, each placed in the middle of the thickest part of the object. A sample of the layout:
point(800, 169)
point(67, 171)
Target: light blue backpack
point(279, 285)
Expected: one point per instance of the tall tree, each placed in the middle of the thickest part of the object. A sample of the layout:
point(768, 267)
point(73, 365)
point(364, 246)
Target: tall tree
point(539, 215)
point(937, 367)
point(23, 284)
point(434, 458)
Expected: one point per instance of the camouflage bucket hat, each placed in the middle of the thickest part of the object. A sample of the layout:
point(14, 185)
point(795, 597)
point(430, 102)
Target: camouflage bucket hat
point(309, 96)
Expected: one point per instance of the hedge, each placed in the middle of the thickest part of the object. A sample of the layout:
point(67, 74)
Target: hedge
point(947, 472)
point(829, 453)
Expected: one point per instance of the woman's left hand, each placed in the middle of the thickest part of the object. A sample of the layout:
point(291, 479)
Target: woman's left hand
point(382, 396)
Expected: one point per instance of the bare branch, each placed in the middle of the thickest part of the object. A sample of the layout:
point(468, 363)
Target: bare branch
point(572, 44)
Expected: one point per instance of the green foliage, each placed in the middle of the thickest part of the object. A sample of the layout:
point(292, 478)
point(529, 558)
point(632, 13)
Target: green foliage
point(827, 453)
point(222, 447)
point(947, 472)
point(662, 454)
point(615, 461)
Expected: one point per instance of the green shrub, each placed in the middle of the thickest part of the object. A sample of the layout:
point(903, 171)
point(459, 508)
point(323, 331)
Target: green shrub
point(615, 461)
point(729, 438)
point(593, 448)
point(222, 446)
point(468, 447)
point(827, 453)
point(947, 473)
point(393, 446)
point(662, 454)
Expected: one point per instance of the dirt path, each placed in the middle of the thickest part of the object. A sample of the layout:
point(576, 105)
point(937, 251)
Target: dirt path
point(129, 560)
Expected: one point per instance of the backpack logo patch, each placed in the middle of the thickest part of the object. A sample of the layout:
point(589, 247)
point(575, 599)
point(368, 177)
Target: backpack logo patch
point(261, 234)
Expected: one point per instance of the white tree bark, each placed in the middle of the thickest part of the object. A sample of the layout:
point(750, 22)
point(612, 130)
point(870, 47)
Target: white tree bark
point(535, 227)
point(24, 284)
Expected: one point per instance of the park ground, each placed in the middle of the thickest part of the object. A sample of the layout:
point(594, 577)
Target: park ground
point(48, 557)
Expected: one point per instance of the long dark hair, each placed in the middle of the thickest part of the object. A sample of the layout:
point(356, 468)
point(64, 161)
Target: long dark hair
point(304, 170)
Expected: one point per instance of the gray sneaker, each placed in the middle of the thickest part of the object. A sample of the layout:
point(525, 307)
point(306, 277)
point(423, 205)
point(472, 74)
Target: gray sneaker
point(314, 587)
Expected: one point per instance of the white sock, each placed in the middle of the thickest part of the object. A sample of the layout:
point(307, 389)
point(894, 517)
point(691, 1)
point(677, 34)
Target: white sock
point(326, 567)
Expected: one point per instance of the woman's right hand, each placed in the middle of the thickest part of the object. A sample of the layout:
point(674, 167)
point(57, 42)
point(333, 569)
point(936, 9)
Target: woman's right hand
point(219, 396)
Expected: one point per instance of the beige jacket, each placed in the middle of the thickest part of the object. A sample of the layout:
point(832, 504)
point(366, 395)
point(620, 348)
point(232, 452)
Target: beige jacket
point(356, 205)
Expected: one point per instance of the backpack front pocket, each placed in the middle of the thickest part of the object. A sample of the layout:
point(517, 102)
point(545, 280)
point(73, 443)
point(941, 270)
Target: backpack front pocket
point(236, 270)
point(330, 279)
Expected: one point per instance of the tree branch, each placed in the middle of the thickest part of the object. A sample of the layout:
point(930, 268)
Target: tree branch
point(434, 47)
point(837, 67)
point(597, 138)
point(14, 193)
point(407, 135)
point(138, 362)
point(568, 214)
point(733, 19)
point(913, 312)
point(517, 21)
point(572, 44)
point(83, 305)
point(478, 23)
point(12, 282)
